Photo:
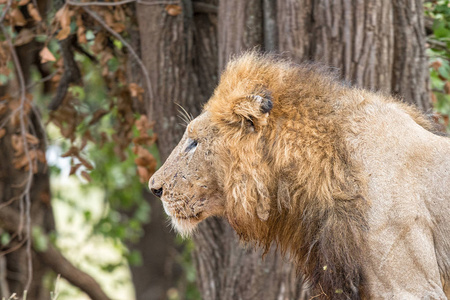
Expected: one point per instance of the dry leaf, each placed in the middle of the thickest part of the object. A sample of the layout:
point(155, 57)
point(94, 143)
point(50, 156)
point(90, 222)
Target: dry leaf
point(97, 116)
point(24, 37)
point(81, 35)
point(17, 17)
point(2, 132)
point(433, 98)
point(34, 13)
point(31, 139)
point(46, 55)
point(23, 2)
point(73, 151)
point(63, 33)
point(74, 168)
point(447, 88)
point(144, 175)
point(86, 176)
point(173, 9)
point(63, 16)
point(135, 89)
point(436, 64)
point(85, 163)
point(118, 27)
point(3, 108)
point(119, 14)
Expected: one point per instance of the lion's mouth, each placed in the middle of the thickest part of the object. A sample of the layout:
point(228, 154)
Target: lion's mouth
point(179, 213)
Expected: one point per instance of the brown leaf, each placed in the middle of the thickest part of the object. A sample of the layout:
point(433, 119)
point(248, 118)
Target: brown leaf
point(143, 173)
point(73, 151)
point(81, 35)
point(24, 37)
point(63, 33)
point(34, 13)
point(118, 27)
point(447, 88)
point(433, 98)
point(85, 163)
point(41, 156)
point(63, 16)
point(31, 139)
point(86, 176)
point(46, 55)
point(98, 115)
point(2, 132)
point(436, 64)
point(136, 91)
point(23, 2)
point(3, 108)
point(17, 17)
point(17, 143)
point(173, 9)
point(74, 168)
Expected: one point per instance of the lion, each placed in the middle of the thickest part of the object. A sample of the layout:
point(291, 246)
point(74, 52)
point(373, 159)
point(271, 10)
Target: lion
point(353, 184)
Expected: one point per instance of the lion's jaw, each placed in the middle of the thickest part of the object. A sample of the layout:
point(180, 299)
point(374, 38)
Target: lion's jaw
point(184, 183)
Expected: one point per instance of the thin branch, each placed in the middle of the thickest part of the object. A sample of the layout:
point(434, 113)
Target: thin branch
point(118, 3)
point(132, 52)
point(8, 5)
point(23, 131)
point(56, 261)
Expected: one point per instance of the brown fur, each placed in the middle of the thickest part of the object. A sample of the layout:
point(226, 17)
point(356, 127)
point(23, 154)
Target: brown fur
point(282, 174)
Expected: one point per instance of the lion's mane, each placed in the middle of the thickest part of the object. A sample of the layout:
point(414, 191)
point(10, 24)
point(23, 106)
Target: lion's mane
point(301, 161)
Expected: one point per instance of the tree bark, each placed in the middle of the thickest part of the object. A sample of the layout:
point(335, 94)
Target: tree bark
point(175, 50)
point(377, 45)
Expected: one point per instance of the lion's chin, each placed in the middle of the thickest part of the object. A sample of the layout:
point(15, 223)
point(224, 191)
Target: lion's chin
point(185, 227)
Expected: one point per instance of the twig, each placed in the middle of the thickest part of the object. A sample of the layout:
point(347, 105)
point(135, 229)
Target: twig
point(122, 2)
point(21, 79)
point(132, 52)
point(56, 261)
point(8, 5)
point(4, 287)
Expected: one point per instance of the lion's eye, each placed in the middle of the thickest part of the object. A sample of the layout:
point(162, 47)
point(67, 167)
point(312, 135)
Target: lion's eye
point(192, 145)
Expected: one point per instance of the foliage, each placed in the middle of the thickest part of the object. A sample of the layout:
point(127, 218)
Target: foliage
point(439, 54)
point(100, 114)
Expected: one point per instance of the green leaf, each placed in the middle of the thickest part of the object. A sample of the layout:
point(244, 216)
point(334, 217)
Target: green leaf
point(40, 240)
point(5, 238)
point(135, 258)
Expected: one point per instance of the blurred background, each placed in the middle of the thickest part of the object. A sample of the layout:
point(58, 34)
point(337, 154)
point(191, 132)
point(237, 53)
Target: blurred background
point(90, 97)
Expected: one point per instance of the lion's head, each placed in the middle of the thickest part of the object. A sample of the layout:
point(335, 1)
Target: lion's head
point(253, 153)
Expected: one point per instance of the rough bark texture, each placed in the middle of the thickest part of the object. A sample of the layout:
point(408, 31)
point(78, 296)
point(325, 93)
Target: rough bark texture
point(12, 184)
point(175, 50)
point(378, 45)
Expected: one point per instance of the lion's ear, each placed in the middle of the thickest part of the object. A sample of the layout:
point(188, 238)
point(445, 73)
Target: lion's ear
point(254, 110)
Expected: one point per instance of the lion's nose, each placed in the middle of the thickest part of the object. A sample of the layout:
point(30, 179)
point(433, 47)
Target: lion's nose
point(157, 192)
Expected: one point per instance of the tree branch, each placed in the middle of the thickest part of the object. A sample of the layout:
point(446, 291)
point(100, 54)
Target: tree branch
point(132, 52)
point(122, 2)
point(56, 261)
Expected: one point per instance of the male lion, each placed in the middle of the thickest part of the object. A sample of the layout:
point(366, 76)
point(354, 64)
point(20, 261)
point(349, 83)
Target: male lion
point(352, 183)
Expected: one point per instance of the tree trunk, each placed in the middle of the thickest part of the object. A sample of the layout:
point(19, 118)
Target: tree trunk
point(376, 45)
point(180, 53)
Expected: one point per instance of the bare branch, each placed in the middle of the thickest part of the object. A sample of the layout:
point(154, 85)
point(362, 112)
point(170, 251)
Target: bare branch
point(23, 132)
point(132, 52)
point(122, 2)
point(8, 5)
point(56, 261)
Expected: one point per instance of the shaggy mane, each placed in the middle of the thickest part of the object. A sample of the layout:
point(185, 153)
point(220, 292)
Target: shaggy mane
point(291, 181)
